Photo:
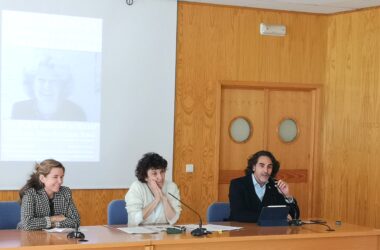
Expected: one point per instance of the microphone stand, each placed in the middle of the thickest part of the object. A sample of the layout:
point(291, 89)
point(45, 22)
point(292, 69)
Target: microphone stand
point(296, 221)
point(76, 234)
point(198, 231)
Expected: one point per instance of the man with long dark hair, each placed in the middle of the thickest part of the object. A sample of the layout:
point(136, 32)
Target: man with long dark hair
point(257, 189)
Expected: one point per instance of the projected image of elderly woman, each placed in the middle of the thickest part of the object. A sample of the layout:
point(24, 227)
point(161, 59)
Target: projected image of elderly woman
point(148, 200)
point(48, 85)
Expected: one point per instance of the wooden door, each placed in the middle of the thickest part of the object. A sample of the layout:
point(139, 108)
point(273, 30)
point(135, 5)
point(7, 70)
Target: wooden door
point(265, 107)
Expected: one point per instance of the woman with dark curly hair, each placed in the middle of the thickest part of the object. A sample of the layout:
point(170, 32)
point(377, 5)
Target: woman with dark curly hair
point(148, 200)
point(257, 189)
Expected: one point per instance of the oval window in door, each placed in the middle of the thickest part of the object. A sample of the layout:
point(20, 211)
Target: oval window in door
point(240, 129)
point(288, 130)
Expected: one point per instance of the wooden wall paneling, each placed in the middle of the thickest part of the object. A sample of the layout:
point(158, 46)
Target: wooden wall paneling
point(9, 195)
point(222, 43)
point(316, 174)
point(236, 102)
point(351, 138)
point(92, 204)
point(193, 145)
point(297, 154)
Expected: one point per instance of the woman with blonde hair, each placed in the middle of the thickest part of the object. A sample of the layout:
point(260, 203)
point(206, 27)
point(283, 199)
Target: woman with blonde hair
point(45, 203)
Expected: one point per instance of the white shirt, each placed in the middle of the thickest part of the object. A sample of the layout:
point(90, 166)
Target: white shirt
point(139, 196)
point(260, 190)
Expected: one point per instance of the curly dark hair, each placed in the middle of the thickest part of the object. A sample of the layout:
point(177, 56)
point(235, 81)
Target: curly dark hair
point(254, 159)
point(149, 161)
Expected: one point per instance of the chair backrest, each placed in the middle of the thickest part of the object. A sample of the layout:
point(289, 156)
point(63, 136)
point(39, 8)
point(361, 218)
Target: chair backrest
point(218, 211)
point(117, 213)
point(10, 214)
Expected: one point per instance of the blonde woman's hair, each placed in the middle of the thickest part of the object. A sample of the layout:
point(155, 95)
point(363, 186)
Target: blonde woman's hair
point(42, 168)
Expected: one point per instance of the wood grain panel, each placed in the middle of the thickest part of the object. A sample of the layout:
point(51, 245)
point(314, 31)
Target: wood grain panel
point(199, 129)
point(9, 196)
point(296, 105)
point(252, 236)
point(92, 204)
point(221, 43)
point(249, 103)
point(288, 243)
point(351, 138)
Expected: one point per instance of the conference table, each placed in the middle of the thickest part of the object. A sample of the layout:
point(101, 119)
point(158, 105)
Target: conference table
point(251, 236)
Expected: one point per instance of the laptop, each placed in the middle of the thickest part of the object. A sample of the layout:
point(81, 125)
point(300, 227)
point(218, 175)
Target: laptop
point(274, 216)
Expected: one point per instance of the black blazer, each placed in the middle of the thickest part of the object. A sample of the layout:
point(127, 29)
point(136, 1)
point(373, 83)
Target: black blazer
point(246, 205)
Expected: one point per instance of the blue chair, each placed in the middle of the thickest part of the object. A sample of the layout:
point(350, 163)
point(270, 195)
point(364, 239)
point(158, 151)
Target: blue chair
point(218, 211)
point(116, 213)
point(10, 214)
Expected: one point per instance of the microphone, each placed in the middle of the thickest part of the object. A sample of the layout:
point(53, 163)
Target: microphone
point(274, 183)
point(76, 234)
point(198, 231)
point(296, 221)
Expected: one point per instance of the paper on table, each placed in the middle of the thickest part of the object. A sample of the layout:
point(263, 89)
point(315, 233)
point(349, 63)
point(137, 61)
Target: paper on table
point(59, 230)
point(216, 228)
point(213, 227)
point(143, 229)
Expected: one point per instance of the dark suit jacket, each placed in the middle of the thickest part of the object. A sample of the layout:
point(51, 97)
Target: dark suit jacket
point(246, 205)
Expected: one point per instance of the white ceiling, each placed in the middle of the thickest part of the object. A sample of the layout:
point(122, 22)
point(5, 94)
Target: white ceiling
point(313, 6)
